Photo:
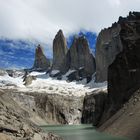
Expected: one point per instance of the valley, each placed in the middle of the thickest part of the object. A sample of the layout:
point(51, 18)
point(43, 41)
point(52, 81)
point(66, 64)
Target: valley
point(77, 89)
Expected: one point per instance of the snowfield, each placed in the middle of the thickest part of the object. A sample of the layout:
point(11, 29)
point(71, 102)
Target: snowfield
point(46, 84)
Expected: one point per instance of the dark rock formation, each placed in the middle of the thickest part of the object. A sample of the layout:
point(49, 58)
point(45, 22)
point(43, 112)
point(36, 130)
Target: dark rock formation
point(80, 56)
point(90, 65)
point(76, 58)
point(41, 63)
point(107, 47)
point(81, 60)
point(76, 75)
point(60, 52)
point(124, 72)
point(93, 107)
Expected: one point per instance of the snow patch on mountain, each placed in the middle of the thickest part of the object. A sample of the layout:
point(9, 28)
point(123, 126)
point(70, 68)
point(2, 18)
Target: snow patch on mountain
point(46, 84)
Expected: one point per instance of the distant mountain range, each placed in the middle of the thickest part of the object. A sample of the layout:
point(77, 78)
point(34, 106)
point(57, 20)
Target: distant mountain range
point(20, 53)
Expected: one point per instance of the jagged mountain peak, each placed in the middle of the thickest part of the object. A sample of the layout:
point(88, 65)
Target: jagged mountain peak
point(41, 62)
point(59, 51)
point(39, 50)
point(60, 34)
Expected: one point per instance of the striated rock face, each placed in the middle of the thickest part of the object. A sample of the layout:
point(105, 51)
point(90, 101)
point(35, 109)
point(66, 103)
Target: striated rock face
point(93, 107)
point(80, 56)
point(15, 123)
point(41, 63)
point(81, 60)
point(59, 52)
point(107, 47)
point(59, 109)
point(124, 72)
point(50, 108)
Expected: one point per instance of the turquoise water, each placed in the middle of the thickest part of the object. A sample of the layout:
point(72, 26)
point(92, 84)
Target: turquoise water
point(78, 132)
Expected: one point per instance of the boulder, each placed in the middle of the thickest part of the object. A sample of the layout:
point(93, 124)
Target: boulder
point(76, 75)
point(28, 80)
point(41, 63)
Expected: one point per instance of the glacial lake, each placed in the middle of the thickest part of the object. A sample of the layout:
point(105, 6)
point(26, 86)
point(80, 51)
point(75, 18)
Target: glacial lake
point(78, 132)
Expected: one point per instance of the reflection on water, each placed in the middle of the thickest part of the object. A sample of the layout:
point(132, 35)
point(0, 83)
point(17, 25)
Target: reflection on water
point(78, 132)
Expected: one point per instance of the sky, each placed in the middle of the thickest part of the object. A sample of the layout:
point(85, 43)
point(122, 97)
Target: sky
point(36, 21)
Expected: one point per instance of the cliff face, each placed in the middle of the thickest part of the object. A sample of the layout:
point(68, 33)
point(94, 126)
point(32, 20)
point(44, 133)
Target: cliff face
point(51, 108)
point(124, 72)
point(93, 107)
point(59, 109)
point(41, 63)
point(15, 121)
point(81, 60)
point(78, 52)
point(107, 47)
point(80, 56)
point(59, 52)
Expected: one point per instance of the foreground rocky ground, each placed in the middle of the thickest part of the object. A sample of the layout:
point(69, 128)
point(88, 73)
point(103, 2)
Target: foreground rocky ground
point(15, 123)
point(126, 121)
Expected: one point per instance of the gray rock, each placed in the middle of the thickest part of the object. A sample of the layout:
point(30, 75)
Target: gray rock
point(124, 72)
point(59, 109)
point(28, 80)
point(50, 108)
point(59, 52)
point(107, 47)
point(41, 63)
point(11, 118)
point(15, 73)
point(3, 72)
point(93, 107)
point(77, 75)
point(80, 56)
point(15, 123)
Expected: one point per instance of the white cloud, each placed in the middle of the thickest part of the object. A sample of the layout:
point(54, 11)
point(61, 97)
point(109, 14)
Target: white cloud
point(41, 19)
point(114, 2)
